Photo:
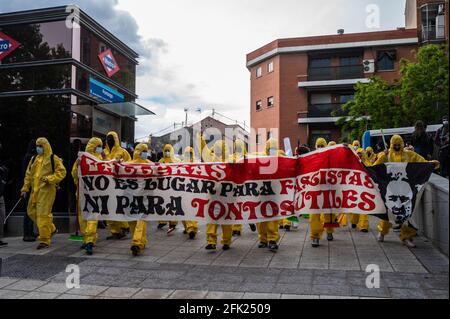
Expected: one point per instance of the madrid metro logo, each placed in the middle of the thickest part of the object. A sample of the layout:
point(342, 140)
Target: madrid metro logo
point(109, 62)
point(7, 45)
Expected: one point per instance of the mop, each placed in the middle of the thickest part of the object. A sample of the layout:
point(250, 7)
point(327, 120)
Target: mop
point(76, 237)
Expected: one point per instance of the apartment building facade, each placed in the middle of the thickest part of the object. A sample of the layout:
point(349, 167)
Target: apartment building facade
point(298, 83)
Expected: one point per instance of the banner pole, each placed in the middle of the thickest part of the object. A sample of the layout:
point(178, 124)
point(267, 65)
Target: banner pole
point(384, 139)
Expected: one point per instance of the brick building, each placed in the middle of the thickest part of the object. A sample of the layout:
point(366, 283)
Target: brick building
point(297, 83)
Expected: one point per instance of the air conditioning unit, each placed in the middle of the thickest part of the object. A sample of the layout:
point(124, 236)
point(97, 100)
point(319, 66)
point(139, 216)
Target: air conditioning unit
point(369, 66)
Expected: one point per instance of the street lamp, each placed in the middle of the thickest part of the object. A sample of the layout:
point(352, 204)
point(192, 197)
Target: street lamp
point(187, 109)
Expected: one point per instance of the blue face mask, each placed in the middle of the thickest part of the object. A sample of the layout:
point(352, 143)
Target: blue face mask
point(99, 150)
point(39, 150)
point(144, 155)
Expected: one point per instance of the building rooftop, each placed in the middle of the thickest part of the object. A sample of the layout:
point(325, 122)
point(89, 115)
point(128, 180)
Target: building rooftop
point(362, 39)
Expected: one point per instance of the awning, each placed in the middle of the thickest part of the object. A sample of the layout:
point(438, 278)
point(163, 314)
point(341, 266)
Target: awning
point(123, 109)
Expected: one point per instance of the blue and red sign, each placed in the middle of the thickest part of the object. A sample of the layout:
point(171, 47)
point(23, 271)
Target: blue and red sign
point(109, 62)
point(104, 92)
point(7, 45)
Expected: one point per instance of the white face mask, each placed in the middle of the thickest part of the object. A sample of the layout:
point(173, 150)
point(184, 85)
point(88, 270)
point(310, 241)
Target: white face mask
point(445, 122)
point(273, 152)
point(144, 155)
point(39, 150)
point(99, 150)
point(167, 154)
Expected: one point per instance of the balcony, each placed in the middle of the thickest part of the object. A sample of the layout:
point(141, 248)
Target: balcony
point(336, 73)
point(332, 77)
point(325, 110)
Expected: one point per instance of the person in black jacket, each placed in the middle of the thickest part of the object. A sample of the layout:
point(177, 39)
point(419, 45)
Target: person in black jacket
point(28, 225)
point(442, 140)
point(3, 181)
point(422, 143)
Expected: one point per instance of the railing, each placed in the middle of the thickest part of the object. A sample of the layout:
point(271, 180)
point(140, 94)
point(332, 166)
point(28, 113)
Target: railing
point(336, 73)
point(430, 34)
point(325, 110)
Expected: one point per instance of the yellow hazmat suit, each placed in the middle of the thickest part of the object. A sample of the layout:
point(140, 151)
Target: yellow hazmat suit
point(400, 155)
point(370, 155)
point(317, 221)
point(332, 143)
point(168, 158)
point(357, 220)
point(190, 227)
point(139, 228)
point(114, 151)
point(87, 228)
point(216, 155)
point(268, 231)
point(239, 152)
point(356, 145)
point(42, 180)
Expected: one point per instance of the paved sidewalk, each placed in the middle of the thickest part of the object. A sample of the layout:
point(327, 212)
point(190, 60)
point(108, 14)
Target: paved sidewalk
point(176, 267)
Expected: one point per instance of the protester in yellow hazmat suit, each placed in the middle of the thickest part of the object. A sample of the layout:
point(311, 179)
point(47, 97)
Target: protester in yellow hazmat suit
point(316, 221)
point(139, 228)
point(397, 153)
point(239, 152)
point(44, 172)
point(190, 227)
point(357, 220)
point(370, 155)
point(356, 145)
point(331, 143)
point(268, 231)
point(88, 227)
point(113, 151)
point(217, 154)
point(168, 158)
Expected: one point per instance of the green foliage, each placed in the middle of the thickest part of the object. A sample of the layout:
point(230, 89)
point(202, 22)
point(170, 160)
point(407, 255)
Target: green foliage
point(421, 94)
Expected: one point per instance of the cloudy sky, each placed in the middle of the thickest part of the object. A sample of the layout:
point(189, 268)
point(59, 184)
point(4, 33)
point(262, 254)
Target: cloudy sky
point(193, 51)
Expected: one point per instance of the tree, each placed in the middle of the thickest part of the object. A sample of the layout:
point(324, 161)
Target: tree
point(420, 94)
point(424, 93)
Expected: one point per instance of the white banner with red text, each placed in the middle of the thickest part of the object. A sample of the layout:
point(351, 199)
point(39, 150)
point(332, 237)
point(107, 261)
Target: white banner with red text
point(256, 189)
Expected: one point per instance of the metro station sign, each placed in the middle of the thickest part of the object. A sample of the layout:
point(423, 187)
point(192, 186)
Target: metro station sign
point(109, 62)
point(7, 45)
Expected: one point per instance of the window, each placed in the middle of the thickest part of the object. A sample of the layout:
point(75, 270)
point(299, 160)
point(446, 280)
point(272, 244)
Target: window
point(345, 98)
point(433, 21)
point(347, 61)
point(320, 98)
point(258, 105)
point(270, 101)
point(270, 67)
point(386, 60)
point(258, 139)
point(319, 63)
point(258, 72)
